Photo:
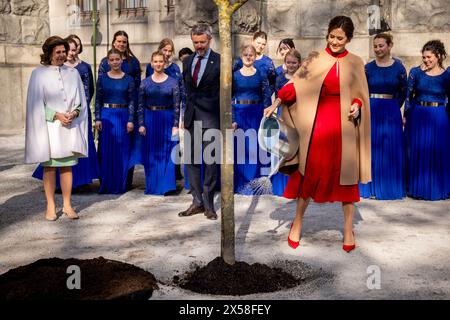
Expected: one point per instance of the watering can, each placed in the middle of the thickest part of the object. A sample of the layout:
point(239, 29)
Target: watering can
point(276, 137)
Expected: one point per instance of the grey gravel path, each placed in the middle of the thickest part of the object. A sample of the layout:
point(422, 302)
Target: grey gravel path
point(406, 240)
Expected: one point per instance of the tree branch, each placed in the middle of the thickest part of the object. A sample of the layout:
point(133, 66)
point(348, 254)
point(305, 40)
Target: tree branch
point(220, 2)
point(237, 5)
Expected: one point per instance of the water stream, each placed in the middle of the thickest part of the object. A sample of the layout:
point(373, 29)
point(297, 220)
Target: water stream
point(261, 185)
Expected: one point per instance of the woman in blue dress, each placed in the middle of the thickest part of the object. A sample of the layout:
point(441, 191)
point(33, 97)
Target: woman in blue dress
point(262, 62)
point(251, 94)
point(132, 67)
point(167, 48)
point(114, 117)
point(159, 113)
point(284, 47)
point(292, 61)
point(387, 87)
point(427, 126)
point(87, 168)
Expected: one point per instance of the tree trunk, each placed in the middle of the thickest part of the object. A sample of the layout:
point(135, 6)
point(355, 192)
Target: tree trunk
point(226, 10)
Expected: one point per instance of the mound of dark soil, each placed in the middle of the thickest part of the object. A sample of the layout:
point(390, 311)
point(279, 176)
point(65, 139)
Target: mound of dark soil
point(220, 278)
point(100, 279)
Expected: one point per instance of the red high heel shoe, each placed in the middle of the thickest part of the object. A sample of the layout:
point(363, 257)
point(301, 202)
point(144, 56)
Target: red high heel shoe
point(292, 244)
point(349, 247)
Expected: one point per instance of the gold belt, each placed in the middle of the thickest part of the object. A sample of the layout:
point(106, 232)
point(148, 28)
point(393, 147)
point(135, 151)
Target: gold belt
point(429, 104)
point(245, 102)
point(381, 96)
point(154, 108)
point(115, 105)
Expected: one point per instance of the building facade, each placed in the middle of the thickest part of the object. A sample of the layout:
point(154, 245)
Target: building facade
point(25, 24)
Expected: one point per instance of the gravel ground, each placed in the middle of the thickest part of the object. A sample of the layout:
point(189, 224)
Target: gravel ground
point(407, 241)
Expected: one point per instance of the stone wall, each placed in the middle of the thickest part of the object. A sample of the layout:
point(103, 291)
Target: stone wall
point(24, 25)
point(412, 23)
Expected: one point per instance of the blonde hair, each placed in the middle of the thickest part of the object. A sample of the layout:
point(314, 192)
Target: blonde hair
point(249, 46)
point(164, 42)
point(156, 53)
point(293, 53)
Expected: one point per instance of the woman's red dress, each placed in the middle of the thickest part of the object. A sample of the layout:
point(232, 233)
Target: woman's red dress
point(323, 163)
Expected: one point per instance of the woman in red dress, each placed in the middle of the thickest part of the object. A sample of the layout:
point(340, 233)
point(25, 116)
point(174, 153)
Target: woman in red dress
point(328, 104)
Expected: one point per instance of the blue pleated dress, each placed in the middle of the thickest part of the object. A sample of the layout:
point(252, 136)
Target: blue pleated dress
point(87, 168)
point(428, 136)
point(115, 144)
point(174, 71)
point(248, 156)
point(157, 144)
point(387, 138)
point(133, 69)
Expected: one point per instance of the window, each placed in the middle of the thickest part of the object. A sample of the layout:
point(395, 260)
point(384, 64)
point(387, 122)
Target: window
point(132, 8)
point(166, 10)
point(134, 4)
point(86, 9)
point(88, 5)
point(170, 6)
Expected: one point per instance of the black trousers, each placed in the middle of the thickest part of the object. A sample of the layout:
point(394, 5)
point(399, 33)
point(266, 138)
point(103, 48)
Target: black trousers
point(193, 153)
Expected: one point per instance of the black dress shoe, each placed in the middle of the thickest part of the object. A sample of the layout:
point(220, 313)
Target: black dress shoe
point(210, 214)
point(193, 209)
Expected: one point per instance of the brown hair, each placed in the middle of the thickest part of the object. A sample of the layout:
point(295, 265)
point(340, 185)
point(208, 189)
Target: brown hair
point(49, 45)
point(438, 49)
point(184, 51)
point(385, 36)
point(156, 53)
point(74, 36)
point(249, 46)
point(128, 53)
point(288, 42)
point(71, 40)
point(113, 51)
point(343, 22)
point(260, 34)
point(293, 53)
point(164, 42)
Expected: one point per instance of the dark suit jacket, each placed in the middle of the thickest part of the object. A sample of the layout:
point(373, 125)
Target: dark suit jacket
point(203, 102)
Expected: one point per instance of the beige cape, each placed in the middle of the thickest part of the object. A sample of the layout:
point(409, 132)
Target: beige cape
point(356, 153)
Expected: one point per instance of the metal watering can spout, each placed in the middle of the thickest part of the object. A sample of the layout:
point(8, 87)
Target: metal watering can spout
point(275, 136)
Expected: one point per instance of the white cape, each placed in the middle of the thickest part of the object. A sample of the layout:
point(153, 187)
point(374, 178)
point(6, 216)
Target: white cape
point(60, 89)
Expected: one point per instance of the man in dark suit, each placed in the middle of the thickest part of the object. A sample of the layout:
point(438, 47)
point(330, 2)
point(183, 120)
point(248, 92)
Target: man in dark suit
point(201, 75)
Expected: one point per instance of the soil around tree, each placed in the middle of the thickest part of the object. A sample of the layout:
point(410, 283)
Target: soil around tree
point(101, 279)
point(220, 278)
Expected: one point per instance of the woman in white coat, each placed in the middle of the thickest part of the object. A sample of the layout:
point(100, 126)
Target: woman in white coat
point(56, 122)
